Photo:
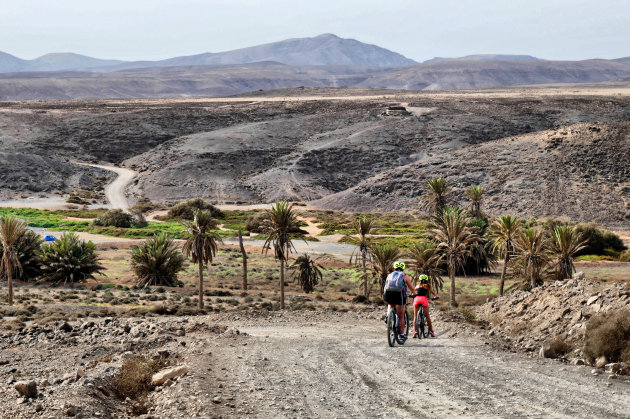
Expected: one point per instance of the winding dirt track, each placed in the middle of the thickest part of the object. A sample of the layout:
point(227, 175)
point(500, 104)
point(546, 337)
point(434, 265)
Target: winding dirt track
point(342, 367)
point(115, 191)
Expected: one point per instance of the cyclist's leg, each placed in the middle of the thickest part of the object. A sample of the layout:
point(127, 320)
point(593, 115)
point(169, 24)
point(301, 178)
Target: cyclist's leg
point(401, 318)
point(428, 317)
point(416, 309)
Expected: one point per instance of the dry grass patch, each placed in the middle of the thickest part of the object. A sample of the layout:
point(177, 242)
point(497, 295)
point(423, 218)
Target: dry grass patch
point(560, 345)
point(133, 380)
point(608, 334)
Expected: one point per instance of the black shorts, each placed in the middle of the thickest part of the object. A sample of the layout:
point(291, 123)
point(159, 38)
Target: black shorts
point(395, 298)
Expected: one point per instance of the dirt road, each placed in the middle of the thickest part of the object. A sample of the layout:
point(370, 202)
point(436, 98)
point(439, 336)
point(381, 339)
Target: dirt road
point(115, 191)
point(337, 365)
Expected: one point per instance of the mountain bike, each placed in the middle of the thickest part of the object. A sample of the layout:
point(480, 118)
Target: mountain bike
point(421, 323)
point(393, 335)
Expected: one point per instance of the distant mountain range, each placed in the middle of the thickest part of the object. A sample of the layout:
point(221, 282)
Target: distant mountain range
point(484, 57)
point(326, 50)
point(321, 61)
point(52, 62)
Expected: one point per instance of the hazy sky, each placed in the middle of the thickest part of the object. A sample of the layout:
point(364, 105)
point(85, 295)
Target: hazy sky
point(418, 29)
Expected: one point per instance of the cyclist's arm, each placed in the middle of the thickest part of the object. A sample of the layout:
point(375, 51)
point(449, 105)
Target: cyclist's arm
point(433, 292)
point(409, 282)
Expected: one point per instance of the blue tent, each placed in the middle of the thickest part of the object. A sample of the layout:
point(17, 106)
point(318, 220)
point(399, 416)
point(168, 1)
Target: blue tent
point(50, 238)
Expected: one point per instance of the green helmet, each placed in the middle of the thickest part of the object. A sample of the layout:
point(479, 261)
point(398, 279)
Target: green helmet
point(424, 279)
point(399, 264)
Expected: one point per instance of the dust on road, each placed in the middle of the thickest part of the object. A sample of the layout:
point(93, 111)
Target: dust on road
point(341, 366)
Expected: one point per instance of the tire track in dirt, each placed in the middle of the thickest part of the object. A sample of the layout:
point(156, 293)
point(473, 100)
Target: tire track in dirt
point(344, 368)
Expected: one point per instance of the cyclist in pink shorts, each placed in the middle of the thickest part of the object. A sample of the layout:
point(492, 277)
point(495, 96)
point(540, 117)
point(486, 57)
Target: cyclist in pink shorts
point(422, 299)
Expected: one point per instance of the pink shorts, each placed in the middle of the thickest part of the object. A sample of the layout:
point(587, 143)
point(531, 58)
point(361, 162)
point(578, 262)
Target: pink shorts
point(420, 301)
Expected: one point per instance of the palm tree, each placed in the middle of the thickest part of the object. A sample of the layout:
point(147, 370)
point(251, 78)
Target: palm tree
point(383, 258)
point(567, 242)
point(425, 261)
point(11, 230)
point(202, 246)
point(307, 272)
point(455, 240)
point(362, 227)
point(70, 260)
point(533, 255)
point(475, 195)
point(157, 261)
point(436, 196)
point(282, 220)
point(502, 234)
point(28, 251)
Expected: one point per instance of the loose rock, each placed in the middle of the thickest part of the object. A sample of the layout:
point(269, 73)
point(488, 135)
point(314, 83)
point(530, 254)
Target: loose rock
point(164, 375)
point(26, 389)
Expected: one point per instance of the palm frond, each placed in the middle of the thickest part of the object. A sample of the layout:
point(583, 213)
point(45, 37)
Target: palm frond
point(70, 260)
point(436, 195)
point(157, 261)
point(567, 242)
point(307, 272)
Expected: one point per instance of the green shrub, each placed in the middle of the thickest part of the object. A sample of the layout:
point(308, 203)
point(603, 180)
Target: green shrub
point(138, 220)
point(608, 334)
point(157, 261)
point(256, 222)
point(114, 218)
point(186, 210)
point(69, 260)
point(599, 240)
point(74, 199)
point(625, 256)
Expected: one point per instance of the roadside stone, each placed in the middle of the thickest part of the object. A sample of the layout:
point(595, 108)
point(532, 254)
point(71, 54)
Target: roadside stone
point(70, 377)
point(547, 351)
point(578, 361)
point(601, 362)
point(80, 372)
point(217, 400)
point(70, 410)
point(161, 377)
point(592, 299)
point(65, 326)
point(613, 367)
point(27, 389)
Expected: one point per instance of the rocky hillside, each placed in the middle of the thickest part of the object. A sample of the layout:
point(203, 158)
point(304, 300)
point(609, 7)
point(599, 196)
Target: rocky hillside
point(553, 173)
point(537, 154)
point(556, 310)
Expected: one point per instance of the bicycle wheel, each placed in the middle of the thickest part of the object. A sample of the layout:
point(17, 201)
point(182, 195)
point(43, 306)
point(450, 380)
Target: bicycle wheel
point(392, 333)
point(400, 340)
point(421, 323)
